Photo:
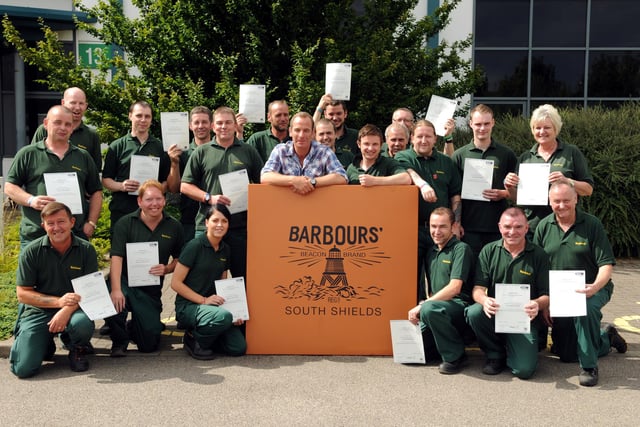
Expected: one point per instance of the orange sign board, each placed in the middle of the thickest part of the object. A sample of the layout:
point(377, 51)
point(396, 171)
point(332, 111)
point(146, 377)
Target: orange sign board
point(327, 271)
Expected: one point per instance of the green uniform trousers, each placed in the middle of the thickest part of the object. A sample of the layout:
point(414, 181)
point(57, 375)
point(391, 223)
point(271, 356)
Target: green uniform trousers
point(213, 328)
point(580, 338)
point(519, 350)
point(32, 338)
point(442, 324)
point(145, 327)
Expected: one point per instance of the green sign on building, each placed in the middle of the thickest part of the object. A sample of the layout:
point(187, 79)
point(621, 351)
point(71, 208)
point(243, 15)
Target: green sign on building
point(91, 54)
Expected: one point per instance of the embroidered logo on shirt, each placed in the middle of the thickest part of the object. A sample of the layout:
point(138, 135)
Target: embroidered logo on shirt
point(446, 261)
point(526, 273)
point(73, 267)
point(582, 243)
point(165, 236)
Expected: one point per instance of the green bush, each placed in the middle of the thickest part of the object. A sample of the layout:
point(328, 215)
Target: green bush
point(610, 140)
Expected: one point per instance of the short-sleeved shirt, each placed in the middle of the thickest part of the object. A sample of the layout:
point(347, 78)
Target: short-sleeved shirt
point(344, 157)
point(384, 166)
point(28, 169)
point(209, 161)
point(481, 216)
point(205, 264)
point(496, 265)
point(454, 261)
point(320, 161)
point(117, 165)
point(584, 246)
point(264, 141)
point(130, 229)
point(188, 206)
point(46, 270)
point(348, 141)
point(439, 172)
point(82, 137)
point(567, 159)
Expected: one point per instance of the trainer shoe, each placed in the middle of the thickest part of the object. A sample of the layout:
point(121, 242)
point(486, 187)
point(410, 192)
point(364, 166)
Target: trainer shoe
point(78, 361)
point(104, 330)
point(616, 339)
point(192, 347)
point(51, 350)
point(494, 366)
point(449, 368)
point(589, 377)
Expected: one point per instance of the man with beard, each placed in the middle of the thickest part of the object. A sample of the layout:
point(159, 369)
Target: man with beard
point(337, 112)
point(264, 141)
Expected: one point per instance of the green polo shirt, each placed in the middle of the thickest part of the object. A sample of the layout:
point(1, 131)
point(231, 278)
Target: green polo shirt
point(205, 264)
point(583, 247)
point(82, 137)
point(348, 141)
point(439, 172)
point(567, 159)
point(454, 261)
point(496, 265)
point(131, 229)
point(480, 216)
point(384, 166)
point(344, 157)
point(41, 266)
point(117, 163)
point(264, 142)
point(209, 161)
point(188, 206)
point(28, 169)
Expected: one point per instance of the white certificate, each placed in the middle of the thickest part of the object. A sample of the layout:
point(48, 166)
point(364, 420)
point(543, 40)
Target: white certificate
point(440, 110)
point(95, 300)
point(338, 81)
point(533, 187)
point(406, 339)
point(235, 185)
point(252, 102)
point(477, 177)
point(143, 168)
point(511, 317)
point(235, 297)
point(175, 129)
point(564, 301)
point(140, 258)
point(64, 187)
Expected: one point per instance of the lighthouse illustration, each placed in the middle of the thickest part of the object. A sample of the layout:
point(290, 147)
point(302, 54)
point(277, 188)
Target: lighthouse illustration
point(334, 277)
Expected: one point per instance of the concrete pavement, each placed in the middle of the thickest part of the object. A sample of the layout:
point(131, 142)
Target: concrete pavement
point(169, 387)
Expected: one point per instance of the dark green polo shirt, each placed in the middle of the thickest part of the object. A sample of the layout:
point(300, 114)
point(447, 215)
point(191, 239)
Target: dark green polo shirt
point(531, 266)
point(454, 261)
point(567, 159)
point(209, 161)
point(384, 166)
point(82, 137)
point(28, 169)
point(344, 157)
point(481, 216)
point(205, 264)
point(264, 142)
point(348, 141)
point(118, 162)
point(188, 206)
point(131, 229)
point(40, 266)
point(584, 246)
point(439, 172)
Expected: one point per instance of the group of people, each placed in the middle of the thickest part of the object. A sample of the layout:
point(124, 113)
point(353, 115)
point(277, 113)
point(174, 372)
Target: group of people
point(464, 248)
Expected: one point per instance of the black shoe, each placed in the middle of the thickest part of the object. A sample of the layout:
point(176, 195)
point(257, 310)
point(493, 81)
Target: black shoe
point(616, 339)
point(494, 366)
point(193, 348)
point(51, 350)
point(180, 326)
point(78, 361)
point(589, 377)
point(118, 351)
point(104, 330)
point(449, 368)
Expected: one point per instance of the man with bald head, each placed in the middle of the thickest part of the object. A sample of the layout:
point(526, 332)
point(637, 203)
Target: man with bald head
point(82, 136)
point(25, 181)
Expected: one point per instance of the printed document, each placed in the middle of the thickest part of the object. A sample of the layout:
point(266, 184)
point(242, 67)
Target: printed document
point(338, 81)
point(140, 258)
point(252, 102)
point(64, 187)
point(175, 129)
point(235, 297)
point(94, 296)
point(564, 301)
point(406, 339)
point(477, 177)
point(511, 317)
point(533, 187)
point(143, 168)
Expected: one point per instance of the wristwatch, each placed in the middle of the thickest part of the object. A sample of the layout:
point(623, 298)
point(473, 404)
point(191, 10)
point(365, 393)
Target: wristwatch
point(313, 182)
point(207, 198)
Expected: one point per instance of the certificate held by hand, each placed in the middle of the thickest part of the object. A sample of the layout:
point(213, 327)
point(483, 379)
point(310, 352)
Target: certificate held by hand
point(235, 297)
point(338, 81)
point(94, 296)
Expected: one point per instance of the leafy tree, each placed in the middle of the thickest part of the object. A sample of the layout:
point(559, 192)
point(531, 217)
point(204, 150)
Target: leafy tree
point(183, 53)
